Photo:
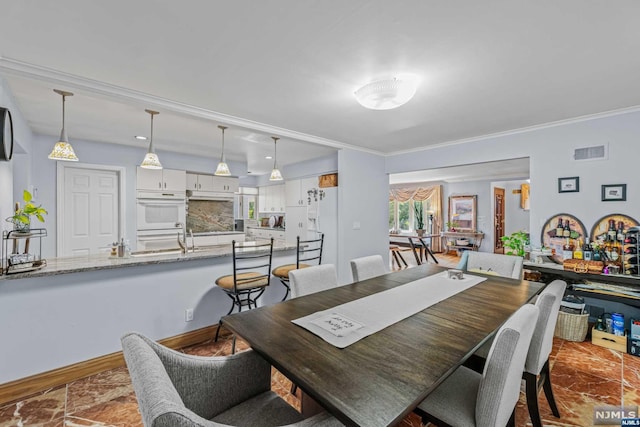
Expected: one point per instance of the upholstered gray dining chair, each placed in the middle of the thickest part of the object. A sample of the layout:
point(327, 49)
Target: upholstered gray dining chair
point(490, 263)
point(468, 398)
point(312, 279)
point(367, 267)
point(536, 369)
point(178, 390)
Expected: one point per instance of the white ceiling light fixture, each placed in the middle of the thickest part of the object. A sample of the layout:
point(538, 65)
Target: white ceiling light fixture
point(151, 160)
point(387, 93)
point(63, 150)
point(223, 168)
point(275, 173)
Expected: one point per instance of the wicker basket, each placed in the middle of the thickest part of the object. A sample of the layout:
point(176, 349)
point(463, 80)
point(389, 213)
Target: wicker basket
point(572, 327)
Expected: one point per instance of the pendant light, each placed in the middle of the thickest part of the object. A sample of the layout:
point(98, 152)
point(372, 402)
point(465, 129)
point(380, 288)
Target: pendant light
point(223, 168)
point(275, 173)
point(63, 150)
point(151, 160)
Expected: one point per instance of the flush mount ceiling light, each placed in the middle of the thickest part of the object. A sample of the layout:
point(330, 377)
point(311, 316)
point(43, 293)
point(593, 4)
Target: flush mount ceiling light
point(275, 173)
point(151, 160)
point(388, 93)
point(223, 168)
point(63, 150)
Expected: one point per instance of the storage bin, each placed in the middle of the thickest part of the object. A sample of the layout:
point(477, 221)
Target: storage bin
point(572, 327)
point(614, 342)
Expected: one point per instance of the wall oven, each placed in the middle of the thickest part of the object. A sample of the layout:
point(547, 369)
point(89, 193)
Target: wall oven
point(160, 211)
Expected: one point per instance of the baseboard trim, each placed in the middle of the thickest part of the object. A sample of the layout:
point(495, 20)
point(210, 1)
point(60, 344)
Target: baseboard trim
point(33, 384)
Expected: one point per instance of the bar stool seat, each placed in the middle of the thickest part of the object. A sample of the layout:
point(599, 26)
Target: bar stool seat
point(282, 272)
point(248, 280)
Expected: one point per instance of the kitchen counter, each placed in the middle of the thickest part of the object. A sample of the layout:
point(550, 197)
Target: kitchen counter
point(217, 233)
point(78, 264)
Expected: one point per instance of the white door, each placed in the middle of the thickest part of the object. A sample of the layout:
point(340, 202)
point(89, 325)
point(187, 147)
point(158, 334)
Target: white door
point(91, 206)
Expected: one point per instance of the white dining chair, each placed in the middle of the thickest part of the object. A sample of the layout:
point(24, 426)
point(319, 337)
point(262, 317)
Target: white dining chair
point(367, 267)
point(490, 263)
point(468, 398)
point(312, 279)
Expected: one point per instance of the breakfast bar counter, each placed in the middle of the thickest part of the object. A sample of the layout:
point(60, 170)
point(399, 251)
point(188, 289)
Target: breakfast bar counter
point(76, 264)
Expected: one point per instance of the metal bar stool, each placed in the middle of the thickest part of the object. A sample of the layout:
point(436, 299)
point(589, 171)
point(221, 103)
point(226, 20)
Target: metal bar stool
point(308, 252)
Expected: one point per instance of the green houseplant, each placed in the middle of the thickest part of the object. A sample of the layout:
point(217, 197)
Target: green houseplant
point(21, 219)
point(417, 207)
point(515, 243)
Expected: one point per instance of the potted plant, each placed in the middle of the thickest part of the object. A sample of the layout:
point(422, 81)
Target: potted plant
point(21, 219)
point(452, 225)
point(417, 207)
point(515, 243)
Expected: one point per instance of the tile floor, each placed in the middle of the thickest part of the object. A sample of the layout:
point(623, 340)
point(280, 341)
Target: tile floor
point(583, 376)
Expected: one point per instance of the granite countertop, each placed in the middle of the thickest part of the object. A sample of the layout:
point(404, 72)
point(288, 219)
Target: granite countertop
point(216, 233)
point(96, 262)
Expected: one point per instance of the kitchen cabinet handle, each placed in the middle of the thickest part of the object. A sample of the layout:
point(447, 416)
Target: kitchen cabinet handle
point(160, 185)
point(165, 185)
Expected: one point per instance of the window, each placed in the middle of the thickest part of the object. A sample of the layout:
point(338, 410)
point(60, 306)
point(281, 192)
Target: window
point(405, 215)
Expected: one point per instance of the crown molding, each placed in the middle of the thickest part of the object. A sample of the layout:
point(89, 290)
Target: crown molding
point(114, 92)
point(542, 126)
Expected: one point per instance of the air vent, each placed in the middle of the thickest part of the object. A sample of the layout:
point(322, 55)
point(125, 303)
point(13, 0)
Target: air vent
point(598, 152)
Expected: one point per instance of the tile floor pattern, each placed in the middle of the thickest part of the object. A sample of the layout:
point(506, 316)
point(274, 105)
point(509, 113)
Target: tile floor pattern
point(583, 376)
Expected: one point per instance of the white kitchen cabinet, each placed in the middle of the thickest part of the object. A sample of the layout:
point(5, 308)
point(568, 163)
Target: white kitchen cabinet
point(161, 179)
point(296, 224)
point(226, 184)
point(271, 199)
point(296, 191)
point(208, 182)
point(267, 233)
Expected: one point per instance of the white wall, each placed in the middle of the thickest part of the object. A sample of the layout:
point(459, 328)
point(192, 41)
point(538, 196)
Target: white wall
point(484, 202)
point(54, 321)
point(10, 173)
point(363, 206)
point(549, 150)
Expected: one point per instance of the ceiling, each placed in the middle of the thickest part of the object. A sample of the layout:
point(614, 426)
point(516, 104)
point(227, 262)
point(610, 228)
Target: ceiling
point(289, 68)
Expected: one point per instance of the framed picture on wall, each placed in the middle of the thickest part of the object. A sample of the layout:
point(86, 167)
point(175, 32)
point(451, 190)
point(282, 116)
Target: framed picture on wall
point(462, 212)
point(569, 185)
point(614, 193)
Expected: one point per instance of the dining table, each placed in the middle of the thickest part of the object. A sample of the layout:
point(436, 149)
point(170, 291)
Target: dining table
point(414, 241)
point(381, 378)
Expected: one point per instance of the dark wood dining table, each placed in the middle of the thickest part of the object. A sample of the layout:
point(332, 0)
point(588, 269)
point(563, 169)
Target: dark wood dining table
point(380, 379)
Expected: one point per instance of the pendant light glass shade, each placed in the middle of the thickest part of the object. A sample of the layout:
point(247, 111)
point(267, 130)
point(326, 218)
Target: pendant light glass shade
point(275, 173)
point(151, 160)
point(63, 150)
point(223, 168)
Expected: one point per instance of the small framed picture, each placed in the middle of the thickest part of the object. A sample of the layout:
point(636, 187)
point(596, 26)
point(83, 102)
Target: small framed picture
point(614, 193)
point(569, 185)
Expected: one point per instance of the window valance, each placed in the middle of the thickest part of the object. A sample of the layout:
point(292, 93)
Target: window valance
point(417, 194)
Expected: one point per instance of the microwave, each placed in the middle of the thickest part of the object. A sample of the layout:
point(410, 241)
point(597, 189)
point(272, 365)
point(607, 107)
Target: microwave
point(160, 211)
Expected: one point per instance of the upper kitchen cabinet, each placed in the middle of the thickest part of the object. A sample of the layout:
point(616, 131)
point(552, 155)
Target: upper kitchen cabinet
point(296, 191)
point(161, 179)
point(206, 182)
point(271, 199)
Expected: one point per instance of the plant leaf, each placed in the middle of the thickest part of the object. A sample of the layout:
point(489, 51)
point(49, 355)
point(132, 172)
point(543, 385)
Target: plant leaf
point(26, 196)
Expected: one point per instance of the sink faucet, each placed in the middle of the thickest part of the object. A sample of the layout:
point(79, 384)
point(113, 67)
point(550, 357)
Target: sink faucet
point(182, 242)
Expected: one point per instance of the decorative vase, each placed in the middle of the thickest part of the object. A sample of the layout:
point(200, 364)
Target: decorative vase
point(420, 232)
point(21, 227)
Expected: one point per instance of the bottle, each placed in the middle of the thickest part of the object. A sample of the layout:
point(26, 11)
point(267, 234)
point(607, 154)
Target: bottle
point(578, 253)
point(632, 260)
point(620, 232)
point(615, 254)
point(631, 250)
point(567, 250)
point(631, 269)
point(600, 324)
point(559, 228)
point(612, 233)
point(566, 232)
point(630, 240)
point(587, 253)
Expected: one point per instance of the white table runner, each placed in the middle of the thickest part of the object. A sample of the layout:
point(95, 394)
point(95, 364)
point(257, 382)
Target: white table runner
point(348, 323)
